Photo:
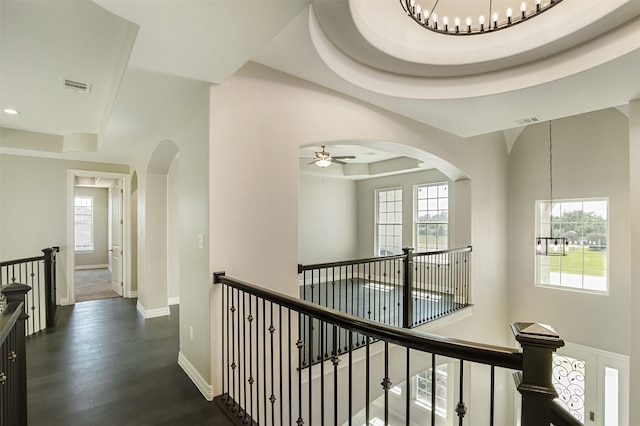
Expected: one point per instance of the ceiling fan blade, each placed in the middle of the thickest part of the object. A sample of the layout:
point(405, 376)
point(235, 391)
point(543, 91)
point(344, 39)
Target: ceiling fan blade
point(344, 157)
point(333, 160)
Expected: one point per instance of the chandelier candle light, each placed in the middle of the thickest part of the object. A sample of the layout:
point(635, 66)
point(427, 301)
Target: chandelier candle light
point(551, 246)
point(425, 13)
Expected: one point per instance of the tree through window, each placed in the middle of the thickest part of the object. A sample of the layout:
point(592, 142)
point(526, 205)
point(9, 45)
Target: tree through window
point(432, 217)
point(584, 222)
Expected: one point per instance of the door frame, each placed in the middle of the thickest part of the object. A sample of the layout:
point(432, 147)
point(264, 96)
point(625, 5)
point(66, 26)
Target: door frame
point(126, 209)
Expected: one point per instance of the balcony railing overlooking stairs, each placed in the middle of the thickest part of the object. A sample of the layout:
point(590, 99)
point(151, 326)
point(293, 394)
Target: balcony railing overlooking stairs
point(264, 381)
point(39, 273)
point(405, 290)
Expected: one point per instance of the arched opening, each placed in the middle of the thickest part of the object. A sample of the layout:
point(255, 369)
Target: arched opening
point(337, 205)
point(160, 232)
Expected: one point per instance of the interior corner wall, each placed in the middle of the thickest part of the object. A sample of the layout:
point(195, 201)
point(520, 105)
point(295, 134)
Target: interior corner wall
point(99, 256)
point(33, 211)
point(328, 219)
point(590, 159)
point(634, 253)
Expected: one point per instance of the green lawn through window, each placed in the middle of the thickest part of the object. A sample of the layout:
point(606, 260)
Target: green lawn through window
point(594, 261)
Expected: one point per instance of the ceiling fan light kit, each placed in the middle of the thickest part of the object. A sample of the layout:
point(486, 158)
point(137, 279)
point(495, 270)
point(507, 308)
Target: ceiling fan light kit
point(324, 158)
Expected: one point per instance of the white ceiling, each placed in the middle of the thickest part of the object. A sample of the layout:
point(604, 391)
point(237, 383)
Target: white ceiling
point(145, 60)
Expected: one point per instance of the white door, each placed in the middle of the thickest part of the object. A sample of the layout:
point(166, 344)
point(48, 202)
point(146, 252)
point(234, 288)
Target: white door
point(116, 237)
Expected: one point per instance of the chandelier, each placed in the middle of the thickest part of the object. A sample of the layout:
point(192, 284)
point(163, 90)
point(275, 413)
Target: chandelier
point(551, 246)
point(455, 17)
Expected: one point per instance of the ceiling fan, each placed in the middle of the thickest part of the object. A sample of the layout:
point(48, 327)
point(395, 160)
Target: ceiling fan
point(325, 159)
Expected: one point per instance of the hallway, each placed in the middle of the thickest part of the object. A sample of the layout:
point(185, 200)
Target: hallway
point(104, 364)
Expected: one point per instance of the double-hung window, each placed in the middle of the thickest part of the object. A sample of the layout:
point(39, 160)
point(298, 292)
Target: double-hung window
point(83, 217)
point(584, 223)
point(424, 386)
point(432, 217)
point(388, 221)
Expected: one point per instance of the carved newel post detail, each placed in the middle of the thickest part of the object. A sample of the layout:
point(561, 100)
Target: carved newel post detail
point(535, 384)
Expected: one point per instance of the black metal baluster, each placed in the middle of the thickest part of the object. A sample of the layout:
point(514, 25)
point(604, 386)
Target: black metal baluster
point(433, 389)
point(322, 349)
point(386, 383)
point(264, 356)
point(493, 394)
point(256, 379)
point(407, 390)
point(366, 387)
point(244, 351)
point(310, 370)
point(335, 360)
point(290, 367)
point(224, 336)
point(460, 408)
point(233, 366)
point(300, 345)
point(350, 379)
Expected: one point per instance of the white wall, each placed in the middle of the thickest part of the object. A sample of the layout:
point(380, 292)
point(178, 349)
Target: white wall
point(33, 208)
point(100, 255)
point(173, 232)
point(590, 154)
point(328, 225)
point(260, 117)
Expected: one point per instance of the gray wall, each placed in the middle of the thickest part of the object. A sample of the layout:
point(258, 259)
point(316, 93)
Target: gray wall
point(328, 218)
point(100, 255)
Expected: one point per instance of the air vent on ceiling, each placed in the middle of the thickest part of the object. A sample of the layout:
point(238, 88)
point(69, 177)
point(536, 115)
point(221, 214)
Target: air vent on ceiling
point(527, 121)
point(77, 86)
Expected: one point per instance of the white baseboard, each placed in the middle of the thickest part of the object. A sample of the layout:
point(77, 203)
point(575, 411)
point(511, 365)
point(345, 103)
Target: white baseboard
point(205, 388)
point(64, 302)
point(83, 267)
point(174, 301)
point(133, 294)
point(152, 313)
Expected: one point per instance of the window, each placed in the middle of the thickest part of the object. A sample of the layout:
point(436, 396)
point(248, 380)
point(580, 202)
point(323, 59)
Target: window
point(589, 381)
point(432, 217)
point(83, 223)
point(584, 223)
point(388, 221)
point(423, 389)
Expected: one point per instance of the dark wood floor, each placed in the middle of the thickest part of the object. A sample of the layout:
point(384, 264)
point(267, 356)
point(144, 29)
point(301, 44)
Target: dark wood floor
point(105, 365)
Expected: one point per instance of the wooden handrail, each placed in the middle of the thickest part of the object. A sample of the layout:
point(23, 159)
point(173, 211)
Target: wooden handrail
point(460, 349)
point(302, 268)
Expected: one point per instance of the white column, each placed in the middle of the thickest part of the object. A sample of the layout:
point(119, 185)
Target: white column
point(634, 217)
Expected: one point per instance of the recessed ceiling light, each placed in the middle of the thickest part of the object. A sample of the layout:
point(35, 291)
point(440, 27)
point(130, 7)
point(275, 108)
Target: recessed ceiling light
point(11, 111)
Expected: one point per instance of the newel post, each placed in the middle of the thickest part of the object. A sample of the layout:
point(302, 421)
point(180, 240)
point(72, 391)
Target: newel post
point(535, 384)
point(50, 285)
point(16, 293)
point(407, 291)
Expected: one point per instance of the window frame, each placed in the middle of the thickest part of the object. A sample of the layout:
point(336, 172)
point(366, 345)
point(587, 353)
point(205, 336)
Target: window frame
point(538, 258)
point(85, 248)
point(417, 223)
point(426, 404)
point(377, 222)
